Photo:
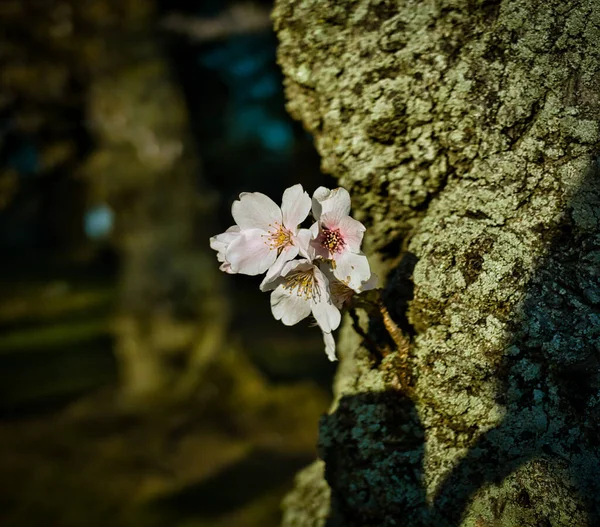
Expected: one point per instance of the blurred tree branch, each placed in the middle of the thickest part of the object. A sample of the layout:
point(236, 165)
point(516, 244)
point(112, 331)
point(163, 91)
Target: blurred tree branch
point(245, 17)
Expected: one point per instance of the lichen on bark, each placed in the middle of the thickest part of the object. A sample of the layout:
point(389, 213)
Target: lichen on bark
point(467, 133)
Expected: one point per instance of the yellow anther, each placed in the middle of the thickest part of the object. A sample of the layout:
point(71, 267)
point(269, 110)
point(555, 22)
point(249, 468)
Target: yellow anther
point(303, 283)
point(279, 238)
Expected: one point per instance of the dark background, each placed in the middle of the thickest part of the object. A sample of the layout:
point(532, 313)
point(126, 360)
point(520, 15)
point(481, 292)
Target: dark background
point(138, 385)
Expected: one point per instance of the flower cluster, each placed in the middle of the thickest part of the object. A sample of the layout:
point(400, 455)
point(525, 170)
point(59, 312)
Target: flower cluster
point(308, 271)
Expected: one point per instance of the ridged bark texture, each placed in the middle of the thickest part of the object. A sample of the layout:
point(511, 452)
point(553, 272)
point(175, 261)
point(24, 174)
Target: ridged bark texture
point(467, 132)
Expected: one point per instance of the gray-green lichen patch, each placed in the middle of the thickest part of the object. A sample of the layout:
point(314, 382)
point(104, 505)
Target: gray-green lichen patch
point(308, 504)
point(468, 129)
point(402, 97)
point(538, 493)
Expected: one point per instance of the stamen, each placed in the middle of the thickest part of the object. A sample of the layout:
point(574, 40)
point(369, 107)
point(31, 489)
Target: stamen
point(278, 238)
point(304, 283)
point(332, 240)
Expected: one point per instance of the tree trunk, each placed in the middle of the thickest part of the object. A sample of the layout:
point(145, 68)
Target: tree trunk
point(467, 133)
point(172, 313)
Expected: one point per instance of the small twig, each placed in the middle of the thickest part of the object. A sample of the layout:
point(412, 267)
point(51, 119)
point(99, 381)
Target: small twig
point(403, 369)
point(372, 302)
point(402, 343)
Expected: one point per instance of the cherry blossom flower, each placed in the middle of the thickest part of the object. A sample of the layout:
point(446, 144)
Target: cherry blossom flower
point(220, 243)
point(337, 237)
point(303, 289)
point(269, 236)
point(341, 296)
point(314, 271)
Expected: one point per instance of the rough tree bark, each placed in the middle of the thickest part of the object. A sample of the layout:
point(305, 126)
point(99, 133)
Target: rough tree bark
point(467, 133)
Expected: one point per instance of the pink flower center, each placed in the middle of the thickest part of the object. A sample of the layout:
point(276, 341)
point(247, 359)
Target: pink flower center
point(332, 240)
point(278, 237)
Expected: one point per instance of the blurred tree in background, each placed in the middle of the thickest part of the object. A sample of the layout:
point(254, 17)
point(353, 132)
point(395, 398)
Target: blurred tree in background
point(137, 386)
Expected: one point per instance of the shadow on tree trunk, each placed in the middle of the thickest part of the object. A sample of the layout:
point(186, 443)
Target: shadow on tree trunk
point(540, 466)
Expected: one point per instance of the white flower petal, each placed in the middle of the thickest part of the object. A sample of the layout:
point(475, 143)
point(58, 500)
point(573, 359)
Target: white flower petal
point(288, 306)
point(337, 203)
point(255, 211)
point(328, 316)
point(330, 221)
point(226, 268)
point(288, 253)
point(314, 229)
point(329, 346)
point(352, 269)
point(296, 265)
point(352, 232)
point(302, 241)
point(319, 195)
point(295, 206)
point(220, 242)
point(249, 253)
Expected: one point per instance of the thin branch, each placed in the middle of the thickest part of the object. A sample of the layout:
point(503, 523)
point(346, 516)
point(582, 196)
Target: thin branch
point(239, 19)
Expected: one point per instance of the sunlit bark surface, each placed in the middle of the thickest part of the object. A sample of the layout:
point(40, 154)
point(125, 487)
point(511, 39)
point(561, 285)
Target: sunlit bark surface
point(467, 133)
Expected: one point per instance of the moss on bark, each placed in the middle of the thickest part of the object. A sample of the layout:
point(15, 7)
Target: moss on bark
point(467, 132)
